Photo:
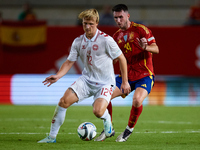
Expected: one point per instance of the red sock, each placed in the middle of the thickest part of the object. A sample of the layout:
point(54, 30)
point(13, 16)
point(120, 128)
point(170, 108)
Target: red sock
point(109, 107)
point(134, 115)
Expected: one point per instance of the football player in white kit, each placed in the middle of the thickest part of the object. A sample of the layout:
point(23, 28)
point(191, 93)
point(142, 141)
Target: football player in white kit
point(97, 51)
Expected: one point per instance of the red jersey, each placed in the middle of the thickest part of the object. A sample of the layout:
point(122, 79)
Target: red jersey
point(139, 61)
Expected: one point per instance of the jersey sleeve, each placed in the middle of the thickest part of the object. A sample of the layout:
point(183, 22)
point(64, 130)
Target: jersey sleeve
point(147, 33)
point(73, 55)
point(112, 48)
point(150, 38)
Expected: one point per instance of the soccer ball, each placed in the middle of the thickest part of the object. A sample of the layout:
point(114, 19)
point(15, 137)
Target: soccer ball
point(87, 131)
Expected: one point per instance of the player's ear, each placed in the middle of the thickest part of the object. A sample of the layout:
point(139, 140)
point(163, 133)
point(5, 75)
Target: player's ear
point(97, 23)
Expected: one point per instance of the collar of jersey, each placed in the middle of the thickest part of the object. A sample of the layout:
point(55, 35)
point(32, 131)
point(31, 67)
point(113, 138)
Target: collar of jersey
point(94, 37)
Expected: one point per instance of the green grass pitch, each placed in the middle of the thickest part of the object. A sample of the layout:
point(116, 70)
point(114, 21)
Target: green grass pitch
point(158, 128)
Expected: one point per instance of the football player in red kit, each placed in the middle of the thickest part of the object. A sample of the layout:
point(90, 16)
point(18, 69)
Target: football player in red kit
point(138, 45)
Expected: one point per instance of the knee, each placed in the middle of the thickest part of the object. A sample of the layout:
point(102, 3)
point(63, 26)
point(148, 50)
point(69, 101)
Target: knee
point(137, 101)
point(63, 103)
point(97, 112)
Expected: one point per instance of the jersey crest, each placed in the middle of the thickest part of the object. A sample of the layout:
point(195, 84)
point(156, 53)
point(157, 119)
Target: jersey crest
point(95, 47)
point(125, 38)
point(131, 36)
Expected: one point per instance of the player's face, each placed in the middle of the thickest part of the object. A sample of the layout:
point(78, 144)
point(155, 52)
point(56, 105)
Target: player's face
point(121, 18)
point(90, 27)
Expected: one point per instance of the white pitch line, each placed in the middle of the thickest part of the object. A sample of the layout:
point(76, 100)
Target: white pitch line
point(172, 122)
point(21, 133)
point(24, 119)
point(44, 119)
point(96, 120)
point(169, 122)
point(163, 132)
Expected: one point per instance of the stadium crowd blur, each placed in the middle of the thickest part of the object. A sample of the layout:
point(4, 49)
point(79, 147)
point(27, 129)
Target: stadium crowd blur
point(194, 14)
point(106, 17)
point(27, 13)
point(151, 13)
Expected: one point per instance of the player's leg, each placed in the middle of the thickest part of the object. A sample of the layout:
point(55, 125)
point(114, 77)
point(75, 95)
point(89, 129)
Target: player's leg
point(100, 111)
point(102, 98)
point(115, 93)
point(67, 100)
point(99, 107)
point(143, 88)
point(109, 107)
point(138, 97)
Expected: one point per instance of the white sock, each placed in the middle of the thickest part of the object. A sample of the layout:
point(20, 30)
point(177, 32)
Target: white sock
point(130, 129)
point(106, 115)
point(57, 121)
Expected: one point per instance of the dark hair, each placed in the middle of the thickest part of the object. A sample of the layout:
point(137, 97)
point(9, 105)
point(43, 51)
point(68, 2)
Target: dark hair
point(120, 7)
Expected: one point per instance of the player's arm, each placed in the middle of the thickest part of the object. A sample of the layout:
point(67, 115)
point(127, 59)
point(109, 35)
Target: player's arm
point(62, 71)
point(153, 48)
point(125, 87)
point(66, 66)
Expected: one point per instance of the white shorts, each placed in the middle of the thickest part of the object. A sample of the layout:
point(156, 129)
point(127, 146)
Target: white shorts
point(85, 89)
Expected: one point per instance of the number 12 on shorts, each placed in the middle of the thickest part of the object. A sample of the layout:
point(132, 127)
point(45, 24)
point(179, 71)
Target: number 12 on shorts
point(106, 91)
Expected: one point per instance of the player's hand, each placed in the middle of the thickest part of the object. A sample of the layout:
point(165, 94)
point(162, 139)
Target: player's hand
point(142, 42)
point(50, 80)
point(125, 88)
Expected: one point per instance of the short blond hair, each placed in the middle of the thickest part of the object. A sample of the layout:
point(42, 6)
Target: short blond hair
point(89, 14)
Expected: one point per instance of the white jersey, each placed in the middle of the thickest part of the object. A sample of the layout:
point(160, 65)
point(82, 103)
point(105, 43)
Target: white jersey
point(97, 56)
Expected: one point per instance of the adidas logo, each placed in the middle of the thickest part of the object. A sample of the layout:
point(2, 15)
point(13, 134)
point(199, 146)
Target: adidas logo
point(119, 41)
point(144, 85)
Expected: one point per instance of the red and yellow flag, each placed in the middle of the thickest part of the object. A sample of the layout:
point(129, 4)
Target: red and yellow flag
point(22, 34)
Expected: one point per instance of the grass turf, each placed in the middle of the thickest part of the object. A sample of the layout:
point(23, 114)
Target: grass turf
point(158, 128)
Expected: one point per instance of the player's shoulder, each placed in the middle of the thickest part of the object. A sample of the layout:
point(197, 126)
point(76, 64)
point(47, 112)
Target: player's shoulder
point(117, 32)
point(104, 36)
point(140, 27)
point(79, 39)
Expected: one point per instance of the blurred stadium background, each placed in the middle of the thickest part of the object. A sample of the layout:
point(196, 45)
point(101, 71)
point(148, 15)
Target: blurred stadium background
point(64, 12)
point(30, 50)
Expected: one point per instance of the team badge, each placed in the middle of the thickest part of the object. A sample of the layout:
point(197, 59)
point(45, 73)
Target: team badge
point(131, 36)
point(95, 47)
point(125, 38)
